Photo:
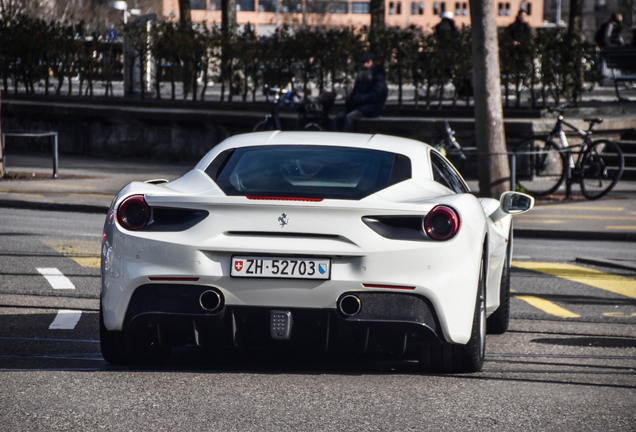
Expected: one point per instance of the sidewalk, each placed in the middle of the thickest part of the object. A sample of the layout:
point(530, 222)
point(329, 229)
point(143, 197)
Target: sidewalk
point(89, 185)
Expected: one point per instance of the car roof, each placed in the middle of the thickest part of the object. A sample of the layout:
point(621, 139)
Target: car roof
point(417, 151)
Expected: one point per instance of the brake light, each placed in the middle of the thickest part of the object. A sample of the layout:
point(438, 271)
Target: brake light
point(270, 198)
point(133, 213)
point(441, 223)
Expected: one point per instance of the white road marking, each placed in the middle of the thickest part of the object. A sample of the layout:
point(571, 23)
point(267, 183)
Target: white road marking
point(65, 320)
point(56, 278)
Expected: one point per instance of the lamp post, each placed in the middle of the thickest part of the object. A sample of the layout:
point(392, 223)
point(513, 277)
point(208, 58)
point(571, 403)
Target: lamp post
point(123, 7)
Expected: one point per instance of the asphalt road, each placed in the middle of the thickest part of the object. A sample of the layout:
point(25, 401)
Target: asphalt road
point(568, 362)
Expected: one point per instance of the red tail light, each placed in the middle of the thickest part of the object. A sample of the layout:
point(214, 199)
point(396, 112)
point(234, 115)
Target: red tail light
point(441, 223)
point(133, 213)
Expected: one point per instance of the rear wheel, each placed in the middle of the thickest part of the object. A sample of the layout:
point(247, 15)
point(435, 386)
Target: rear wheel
point(128, 348)
point(452, 358)
point(498, 322)
point(539, 166)
point(602, 167)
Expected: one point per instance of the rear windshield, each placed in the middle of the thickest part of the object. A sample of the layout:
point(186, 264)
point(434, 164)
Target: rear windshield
point(307, 171)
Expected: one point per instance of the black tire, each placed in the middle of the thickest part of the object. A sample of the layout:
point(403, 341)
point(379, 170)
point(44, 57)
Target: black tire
point(539, 174)
point(453, 358)
point(127, 348)
point(601, 169)
point(499, 321)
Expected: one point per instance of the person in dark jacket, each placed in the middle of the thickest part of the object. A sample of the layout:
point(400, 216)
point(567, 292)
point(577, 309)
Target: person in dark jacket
point(367, 97)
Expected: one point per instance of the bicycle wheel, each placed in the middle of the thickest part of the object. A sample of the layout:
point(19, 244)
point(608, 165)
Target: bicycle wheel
point(262, 126)
point(312, 127)
point(539, 166)
point(602, 167)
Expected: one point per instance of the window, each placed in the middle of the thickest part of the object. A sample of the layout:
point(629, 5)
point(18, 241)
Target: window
point(319, 7)
point(507, 9)
point(446, 175)
point(464, 8)
point(215, 5)
point(305, 171)
point(436, 8)
point(413, 8)
point(267, 5)
point(421, 8)
point(443, 7)
point(245, 5)
point(529, 8)
point(391, 8)
point(360, 8)
point(398, 8)
point(291, 6)
point(338, 7)
point(197, 4)
point(500, 9)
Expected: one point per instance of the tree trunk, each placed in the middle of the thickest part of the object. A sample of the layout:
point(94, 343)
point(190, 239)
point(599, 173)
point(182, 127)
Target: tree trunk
point(377, 18)
point(185, 17)
point(494, 170)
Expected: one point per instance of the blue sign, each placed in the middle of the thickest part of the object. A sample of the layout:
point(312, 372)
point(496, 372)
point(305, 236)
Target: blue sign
point(112, 35)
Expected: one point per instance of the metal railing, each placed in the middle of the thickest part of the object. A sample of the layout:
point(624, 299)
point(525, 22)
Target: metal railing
point(3, 156)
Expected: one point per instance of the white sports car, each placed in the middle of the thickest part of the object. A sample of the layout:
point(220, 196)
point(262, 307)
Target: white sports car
point(309, 240)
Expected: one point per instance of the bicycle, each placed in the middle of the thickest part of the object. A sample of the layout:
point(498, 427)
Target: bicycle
point(312, 114)
point(542, 165)
point(448, 146)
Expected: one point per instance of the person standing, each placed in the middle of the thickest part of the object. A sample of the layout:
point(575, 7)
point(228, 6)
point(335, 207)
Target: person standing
point(367, 97)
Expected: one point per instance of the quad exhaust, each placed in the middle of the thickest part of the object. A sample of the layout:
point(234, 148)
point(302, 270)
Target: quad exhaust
point(349, 305)
point(211, 301)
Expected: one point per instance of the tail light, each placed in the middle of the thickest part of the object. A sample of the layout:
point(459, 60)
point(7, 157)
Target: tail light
point(441, 223)
point(133, 213)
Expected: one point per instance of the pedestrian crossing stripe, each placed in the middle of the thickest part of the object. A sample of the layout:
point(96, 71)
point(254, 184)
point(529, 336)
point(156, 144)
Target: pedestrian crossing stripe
point(595, 278)
point(84, 252)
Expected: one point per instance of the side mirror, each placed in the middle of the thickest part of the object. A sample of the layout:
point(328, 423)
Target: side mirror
point(515, 202)
point(512, 203)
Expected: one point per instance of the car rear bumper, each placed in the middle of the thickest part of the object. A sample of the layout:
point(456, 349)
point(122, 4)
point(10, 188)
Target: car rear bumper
point(391, 323)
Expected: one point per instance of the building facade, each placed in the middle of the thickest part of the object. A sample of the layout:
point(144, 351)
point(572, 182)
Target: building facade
point(402, 13)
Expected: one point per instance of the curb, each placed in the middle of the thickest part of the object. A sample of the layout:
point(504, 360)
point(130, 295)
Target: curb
point(33, 205)
point(574, 235)
point(606, 263)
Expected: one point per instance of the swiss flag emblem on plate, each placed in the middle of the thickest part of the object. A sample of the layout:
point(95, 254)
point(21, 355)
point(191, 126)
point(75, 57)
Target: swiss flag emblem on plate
point(238, 265)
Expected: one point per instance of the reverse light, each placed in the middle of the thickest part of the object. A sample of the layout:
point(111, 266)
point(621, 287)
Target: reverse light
point(133, 213)
point(441, 223)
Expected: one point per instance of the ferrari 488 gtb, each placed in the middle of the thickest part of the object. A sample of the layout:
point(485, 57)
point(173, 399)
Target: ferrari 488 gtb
point(313, 241)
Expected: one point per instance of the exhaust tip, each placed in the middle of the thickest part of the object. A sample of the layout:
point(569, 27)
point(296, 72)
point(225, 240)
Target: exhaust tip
point(350, 305)
point(210, 300)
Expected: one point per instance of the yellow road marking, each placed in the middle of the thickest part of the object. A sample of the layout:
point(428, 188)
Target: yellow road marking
point(621, 227)
point(551, 221)
point(84, 252)
point(574, 207)
point(595, 278)
point(548, 307)
point(540, 216)
point(619, 314)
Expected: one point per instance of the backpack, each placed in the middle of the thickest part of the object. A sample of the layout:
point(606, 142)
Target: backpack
point(599, 36)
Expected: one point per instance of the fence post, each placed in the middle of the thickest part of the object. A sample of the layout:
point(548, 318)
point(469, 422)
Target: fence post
point(55, 157)
point(513, 172)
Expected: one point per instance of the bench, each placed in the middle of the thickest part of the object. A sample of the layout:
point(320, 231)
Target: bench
point(622, 59)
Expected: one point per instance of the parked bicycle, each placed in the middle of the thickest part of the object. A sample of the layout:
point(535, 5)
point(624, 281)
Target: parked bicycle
point(542, 165)
point(313, 114)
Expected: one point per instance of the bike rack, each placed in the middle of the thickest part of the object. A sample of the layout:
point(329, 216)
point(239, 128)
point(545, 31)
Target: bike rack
point(3, 156)
point(513, 165)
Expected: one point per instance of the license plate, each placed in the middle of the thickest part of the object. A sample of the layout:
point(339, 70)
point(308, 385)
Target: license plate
point(281, 267)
